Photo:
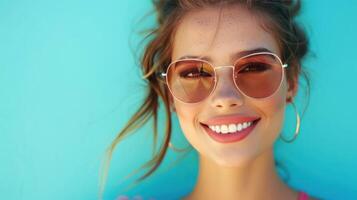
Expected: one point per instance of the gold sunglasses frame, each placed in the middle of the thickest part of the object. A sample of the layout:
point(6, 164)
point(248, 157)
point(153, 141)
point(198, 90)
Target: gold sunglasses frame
point(283, 66)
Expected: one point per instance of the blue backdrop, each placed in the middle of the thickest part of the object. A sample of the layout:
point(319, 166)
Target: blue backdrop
point(69, 81)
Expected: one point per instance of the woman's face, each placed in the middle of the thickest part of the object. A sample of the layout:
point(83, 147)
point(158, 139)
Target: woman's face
point(200, 34)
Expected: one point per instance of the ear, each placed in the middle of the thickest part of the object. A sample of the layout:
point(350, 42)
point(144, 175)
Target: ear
point(292, 89)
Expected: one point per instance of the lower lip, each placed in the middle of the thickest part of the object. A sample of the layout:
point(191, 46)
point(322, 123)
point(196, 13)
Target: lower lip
point(230, 137)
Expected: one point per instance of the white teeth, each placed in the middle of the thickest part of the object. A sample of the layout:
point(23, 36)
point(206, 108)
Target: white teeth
point(218, 129)
point(239, 127)
point(224, 129)
point(230, 128)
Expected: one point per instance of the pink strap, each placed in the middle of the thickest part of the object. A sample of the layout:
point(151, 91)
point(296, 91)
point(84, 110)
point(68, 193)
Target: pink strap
point(303, 196)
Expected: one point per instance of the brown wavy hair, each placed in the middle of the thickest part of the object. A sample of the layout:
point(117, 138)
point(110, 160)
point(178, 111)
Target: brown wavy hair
point(278, 17)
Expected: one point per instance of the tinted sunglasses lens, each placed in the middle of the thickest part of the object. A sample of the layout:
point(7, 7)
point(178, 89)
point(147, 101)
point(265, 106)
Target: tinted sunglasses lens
point(258, 76)
point(190, 81)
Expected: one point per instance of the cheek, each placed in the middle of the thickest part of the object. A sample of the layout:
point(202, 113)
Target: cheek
point(186, 114)
point(273, 111)
point(188, 119)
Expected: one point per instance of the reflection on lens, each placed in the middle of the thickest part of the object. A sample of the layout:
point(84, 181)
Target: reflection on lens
point(190, 80)
point(258, 76)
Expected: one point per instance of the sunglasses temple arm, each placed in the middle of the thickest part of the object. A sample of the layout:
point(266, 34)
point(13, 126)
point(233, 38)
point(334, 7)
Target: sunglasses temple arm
point(162, 74)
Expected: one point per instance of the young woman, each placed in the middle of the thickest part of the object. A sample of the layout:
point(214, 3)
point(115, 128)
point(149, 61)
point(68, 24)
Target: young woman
point(228, 69)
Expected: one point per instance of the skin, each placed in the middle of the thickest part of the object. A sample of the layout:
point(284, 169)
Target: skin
point(245, 169)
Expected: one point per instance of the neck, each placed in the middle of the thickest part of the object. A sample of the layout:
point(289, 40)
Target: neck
point(255, 180)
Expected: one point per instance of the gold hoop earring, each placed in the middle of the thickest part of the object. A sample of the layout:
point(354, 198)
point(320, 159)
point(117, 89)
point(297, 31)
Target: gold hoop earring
point(178, 149)
point(297, 129)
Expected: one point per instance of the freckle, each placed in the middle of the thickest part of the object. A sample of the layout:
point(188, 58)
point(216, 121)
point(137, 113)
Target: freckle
point(199, 22)
point(202, 21)
point(228, 18)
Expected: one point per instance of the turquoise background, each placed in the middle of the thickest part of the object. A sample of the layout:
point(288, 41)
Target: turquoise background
point(69, 81)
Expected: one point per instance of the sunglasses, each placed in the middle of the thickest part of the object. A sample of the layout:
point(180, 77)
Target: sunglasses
point(257, 75)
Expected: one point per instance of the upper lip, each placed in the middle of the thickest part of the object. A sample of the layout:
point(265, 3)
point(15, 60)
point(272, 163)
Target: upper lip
point(231, 119)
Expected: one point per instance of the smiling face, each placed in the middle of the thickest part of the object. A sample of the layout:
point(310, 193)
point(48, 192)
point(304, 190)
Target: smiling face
point(201, 33)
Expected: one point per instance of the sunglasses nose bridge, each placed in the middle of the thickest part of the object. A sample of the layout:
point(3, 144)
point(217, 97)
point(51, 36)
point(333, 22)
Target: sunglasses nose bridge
point(230, 76)
point(223, 66)
point(219, 68)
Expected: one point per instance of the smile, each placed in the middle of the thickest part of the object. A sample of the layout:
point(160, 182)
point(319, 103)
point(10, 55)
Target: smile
point(230, 129)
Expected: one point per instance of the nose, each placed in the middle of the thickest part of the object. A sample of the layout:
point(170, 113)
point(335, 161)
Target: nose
point(226, 95)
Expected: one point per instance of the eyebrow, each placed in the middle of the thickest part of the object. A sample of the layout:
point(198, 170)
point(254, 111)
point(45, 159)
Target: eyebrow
point(233, 57)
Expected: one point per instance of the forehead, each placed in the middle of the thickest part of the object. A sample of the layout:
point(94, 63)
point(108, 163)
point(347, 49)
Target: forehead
point(220, 34)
